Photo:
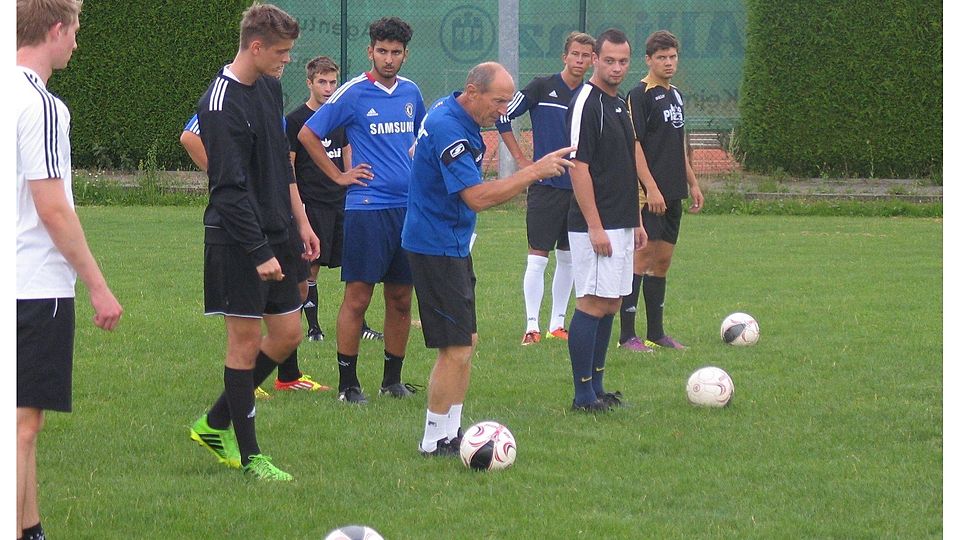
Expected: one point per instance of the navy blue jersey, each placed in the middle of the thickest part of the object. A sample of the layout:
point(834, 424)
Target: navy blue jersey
point(547, 99)
point(447, 161)
point(600, 128)
point(317, 190)
point(381, 125)
point(658, 121)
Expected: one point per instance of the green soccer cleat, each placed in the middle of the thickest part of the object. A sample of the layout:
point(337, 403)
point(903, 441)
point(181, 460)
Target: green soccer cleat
point(221, 442)
point(261, 469)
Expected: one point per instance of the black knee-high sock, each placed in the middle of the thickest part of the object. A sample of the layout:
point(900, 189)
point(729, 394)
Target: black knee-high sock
point(604, 329)
point(392, 368)
point(310, 306)
point(219, 415)
point(628, 311)
point(289, 370)
point(654, 291)
point(347, 365)
point(33, 533)
point(238, 385)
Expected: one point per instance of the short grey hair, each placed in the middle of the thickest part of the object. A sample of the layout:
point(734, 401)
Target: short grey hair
point(481, 76)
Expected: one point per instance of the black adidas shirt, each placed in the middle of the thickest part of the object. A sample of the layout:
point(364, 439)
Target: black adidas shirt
point(248, 167)
point(317, 190)
point(658, 121)
point(599, 126)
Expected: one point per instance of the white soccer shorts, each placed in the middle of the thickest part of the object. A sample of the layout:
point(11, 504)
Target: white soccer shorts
point(606, 277)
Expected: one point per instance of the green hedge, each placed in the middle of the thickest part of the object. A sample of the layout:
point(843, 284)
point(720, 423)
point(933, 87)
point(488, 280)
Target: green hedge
point(137, 74)
point(849, 88)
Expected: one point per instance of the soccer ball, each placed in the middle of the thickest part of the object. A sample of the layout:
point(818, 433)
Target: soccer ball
point(354, 532)
point(739, 329)
point(710, 387)
point(488, 445)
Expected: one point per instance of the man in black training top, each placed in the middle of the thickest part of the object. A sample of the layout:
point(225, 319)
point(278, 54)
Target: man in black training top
point(665, 172)
point(255, 232)
point(604, 218)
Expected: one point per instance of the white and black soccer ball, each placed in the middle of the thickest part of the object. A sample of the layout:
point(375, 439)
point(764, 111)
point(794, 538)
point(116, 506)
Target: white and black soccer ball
point(488, 445)
point(353, 532)
point(710, 387)
point(739, 329)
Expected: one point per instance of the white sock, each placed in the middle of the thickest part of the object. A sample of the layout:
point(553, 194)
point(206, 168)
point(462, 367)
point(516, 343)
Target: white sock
point(434, 430)
point(562, 285)
point(453, 420)
point(533, 290)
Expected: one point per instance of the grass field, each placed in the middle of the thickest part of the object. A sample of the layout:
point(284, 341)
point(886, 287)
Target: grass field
point(835, 431)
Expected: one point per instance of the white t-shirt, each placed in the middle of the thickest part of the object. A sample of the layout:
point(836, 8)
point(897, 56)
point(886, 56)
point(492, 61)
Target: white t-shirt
point(43, 151)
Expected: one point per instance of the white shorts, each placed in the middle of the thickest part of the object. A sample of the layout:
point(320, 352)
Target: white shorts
point(606, 277)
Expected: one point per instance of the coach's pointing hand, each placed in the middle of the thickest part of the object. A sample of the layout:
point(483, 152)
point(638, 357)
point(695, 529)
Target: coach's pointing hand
point(553, 163)
point(355, 176)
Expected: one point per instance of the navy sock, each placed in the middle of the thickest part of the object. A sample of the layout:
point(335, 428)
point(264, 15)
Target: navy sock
point(289, 370)
point(392, 367)
point(654, 290)
point(238, 385)
point(582, 343)
point(628, 311)
point(219, 415)
point(347, 365)
point(310, 306)
point(604, 329)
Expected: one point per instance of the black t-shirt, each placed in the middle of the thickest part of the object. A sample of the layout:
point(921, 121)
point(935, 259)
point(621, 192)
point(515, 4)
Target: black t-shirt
point(248, 165)
point(316, 188)
point(658, 121)
point(600, 128)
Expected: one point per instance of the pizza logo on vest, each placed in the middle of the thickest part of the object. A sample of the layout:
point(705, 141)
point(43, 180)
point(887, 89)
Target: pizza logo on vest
point(674, 116)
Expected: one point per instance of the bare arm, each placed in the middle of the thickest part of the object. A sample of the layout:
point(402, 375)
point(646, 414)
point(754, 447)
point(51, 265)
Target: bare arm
point(64, 228)
point(311, 243)
point(354, 175)
point(655, 201)
point(494, 192)
point(694, 186)
point(586, 200)
point(194, 146)
point(510, 140)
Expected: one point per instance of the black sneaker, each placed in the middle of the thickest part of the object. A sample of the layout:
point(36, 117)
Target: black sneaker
point(353, 395)
point(444, 448)
point(597, 406)
point(370, 334)
point(612, 399)
point(400, 390)
point(455, 442)
point(315, 334)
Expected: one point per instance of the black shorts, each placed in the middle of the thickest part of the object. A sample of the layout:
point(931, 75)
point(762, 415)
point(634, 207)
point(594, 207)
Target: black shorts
point(547, 209)
point(665, 227)
point(445, 296)
point(45, 330)
point(232, 286)
point(327, 224)
point(301, 268)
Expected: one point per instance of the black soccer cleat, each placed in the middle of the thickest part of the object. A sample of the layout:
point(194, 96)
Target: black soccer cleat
point(370, 334)
point(444, 448)
point(315, 334)
point(400, 390)
point(353, 394)
point(612, 399)
point(594, 407)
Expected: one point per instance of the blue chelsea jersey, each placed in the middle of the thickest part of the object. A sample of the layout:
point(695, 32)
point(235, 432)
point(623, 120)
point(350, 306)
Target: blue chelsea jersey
point(381, 125)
